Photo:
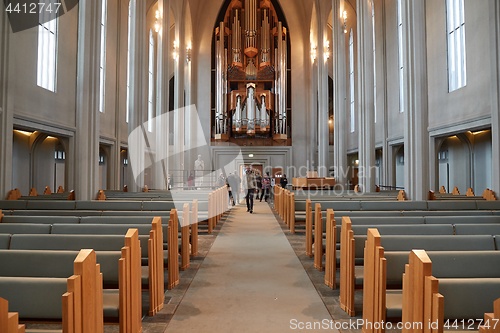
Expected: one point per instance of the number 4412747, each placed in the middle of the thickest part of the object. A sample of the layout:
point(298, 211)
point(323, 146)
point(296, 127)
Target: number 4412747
point(470, 324)
point(33, 8)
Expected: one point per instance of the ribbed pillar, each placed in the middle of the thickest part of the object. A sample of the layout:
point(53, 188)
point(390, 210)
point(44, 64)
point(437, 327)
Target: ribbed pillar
point(322, 119)
point(164, 57)
point(339, 94)
point(137, 98)
point(6, 115)
point(416, 140)
point(366, 99)
point(495, 86)
point(179, 119)
point(86, 143)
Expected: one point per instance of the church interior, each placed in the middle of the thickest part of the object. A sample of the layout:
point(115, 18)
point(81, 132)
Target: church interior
point(139, 137)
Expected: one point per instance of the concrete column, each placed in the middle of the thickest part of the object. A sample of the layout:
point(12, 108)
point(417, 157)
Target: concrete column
point(312, 163)
point(162, 123)
point(179, 119)
point(380, 16)
point(6, 115)
point(86, 144)
point(339, 94)
point(495, 93)
point(137, 99)
point(366, 100)
point(322, 95)
point(416, 139)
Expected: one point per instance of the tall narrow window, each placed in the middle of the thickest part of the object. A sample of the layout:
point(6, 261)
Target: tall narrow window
point(151, 86)
point(401, 58)
point(351, 79)
point(47, 51)
point(374, 65)
point(127, 111)
point(456, 44)
point(102, 62)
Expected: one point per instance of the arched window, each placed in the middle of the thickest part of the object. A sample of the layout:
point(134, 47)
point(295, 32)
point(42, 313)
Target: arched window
point(351, 80)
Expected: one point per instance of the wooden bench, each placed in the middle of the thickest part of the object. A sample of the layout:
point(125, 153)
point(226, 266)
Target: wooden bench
point(366, 247)
point(430, 299)
point(151, 249)
point(76, 301)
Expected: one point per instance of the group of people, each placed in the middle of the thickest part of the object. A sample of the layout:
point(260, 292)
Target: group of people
point(255, 186)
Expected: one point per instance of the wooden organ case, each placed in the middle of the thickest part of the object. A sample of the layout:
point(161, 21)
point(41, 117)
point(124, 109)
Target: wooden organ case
point(251, 75)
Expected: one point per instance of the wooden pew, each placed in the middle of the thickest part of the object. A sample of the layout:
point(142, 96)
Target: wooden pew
point(152, 245)
point(81, 304)
point(428, 299)
point(352, 249)
point(129, 279)
point(9, 321)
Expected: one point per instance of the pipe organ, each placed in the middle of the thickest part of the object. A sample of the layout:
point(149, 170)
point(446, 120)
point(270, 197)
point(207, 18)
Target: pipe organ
point(251, 73)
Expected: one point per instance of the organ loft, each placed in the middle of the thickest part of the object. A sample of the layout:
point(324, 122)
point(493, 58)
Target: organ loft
point(251, 76)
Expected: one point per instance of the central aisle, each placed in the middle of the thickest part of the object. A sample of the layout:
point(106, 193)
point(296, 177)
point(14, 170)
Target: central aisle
point(250, 281)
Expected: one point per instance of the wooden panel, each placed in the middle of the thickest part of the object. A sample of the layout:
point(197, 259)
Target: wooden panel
point(194, 228)
point(75, 288)
point(318, 238)
point(309, 227)
point(370, 279)
point(431, 287)
point(330, 251)
point(185, 237)
point(292, 213)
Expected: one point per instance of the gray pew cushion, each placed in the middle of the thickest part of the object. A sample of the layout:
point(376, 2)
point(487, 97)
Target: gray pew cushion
point(394, 304)
point(412, 229)
point(378, 220)
point(462, 219)
point(67, 242)
point(110, 303)
point(34, 298)
point(393, 205)
point(24, 228)
point(50, 204)
point(4, 241)
point(116, 220)
point(465, 264)
point(451, 204)
point(53, 264)
point(99, 229)
point(477, 229)
point(158, 205)
point(340, 205)
point(429, 243)
point(12, 204)
point(488, 205)
point(468, 298)
point(40, 219)
point(109, 205)
point(73, 242)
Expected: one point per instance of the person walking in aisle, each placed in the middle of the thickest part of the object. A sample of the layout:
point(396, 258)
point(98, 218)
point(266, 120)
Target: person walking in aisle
point(266, 185)
point(249, 184)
